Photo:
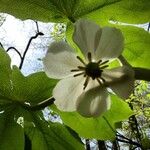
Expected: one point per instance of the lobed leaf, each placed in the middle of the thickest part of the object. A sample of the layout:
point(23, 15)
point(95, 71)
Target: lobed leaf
point(47, 136)
point(103, 127)
point(102, 11)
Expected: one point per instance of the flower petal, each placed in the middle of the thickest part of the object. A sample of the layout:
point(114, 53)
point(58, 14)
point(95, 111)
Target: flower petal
point(60, 60)
point(94, 102)
point(120, 80)
point(67, 91)
point(111, 44)
point(86, 35)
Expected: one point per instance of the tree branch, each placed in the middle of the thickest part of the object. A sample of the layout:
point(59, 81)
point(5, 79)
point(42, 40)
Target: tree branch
point(27, 47)
point(1, 45)
point(129, 142)
point(13, 48)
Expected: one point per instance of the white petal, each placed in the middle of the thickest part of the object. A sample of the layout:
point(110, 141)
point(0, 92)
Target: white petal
point(86, 35)
point(111, 44)
point(94, 102)
point(120, 80)
point(60, 60)
point(67, 91)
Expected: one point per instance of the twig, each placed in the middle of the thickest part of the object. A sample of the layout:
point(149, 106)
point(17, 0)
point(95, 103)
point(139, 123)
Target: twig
point(1, 45)
point(27, 47)
point(13, 48)
point(129, 142)
point(37, 27)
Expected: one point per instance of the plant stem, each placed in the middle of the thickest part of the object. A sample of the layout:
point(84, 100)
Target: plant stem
point(38, 106)
point(142, 73)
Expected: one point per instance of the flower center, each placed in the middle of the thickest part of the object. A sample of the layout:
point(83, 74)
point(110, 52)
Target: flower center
point(91, 70)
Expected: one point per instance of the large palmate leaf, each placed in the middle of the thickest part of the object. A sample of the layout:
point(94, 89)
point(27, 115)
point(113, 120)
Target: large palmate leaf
point(11, 133)
point(101, 127)
point(45, 10)
point(135, 11)
point(137, 46)
point(51, 136)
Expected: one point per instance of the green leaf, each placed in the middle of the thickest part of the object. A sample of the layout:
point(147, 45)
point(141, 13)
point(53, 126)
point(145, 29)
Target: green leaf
point(99, 128)
point(101, 11)
point(33, 89)
point(11, 133)
point(137, 46)
point(45, 10)
point(5, 72)
point(14, 86)
point(47, 136)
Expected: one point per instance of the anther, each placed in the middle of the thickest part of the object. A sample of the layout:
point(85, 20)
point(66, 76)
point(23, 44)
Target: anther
point(81, 68)
point(103, 79)
point(99, 61)
point(104, 62)
point(89, 55)
point(78, 74)
point(99, 81)
point(104, 67)
point(86, 82)
point(81, 60)
point(74, 70)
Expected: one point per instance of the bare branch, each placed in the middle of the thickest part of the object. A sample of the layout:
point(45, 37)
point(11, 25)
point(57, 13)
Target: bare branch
point(13, 48)
point(27, 47)
point(1, 45)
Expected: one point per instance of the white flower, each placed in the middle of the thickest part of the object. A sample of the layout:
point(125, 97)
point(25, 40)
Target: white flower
point(84, 83)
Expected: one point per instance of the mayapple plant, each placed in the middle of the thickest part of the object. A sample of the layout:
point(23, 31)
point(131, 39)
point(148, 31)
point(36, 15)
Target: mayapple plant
point(85, 79)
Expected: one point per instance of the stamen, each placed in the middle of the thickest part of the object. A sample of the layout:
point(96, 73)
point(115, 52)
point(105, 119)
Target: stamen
point(104, 67)
point(104, 62)
point(99, 61)
point(81, 60)
point(86, 82)
point(81, 68)
point(103, 80)
point(78, 74)
point(89, 55)
point(99, 81)
point(74, 70)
